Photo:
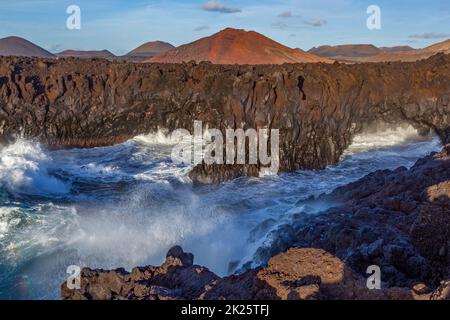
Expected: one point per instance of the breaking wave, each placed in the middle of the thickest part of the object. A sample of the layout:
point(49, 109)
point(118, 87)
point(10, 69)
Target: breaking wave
point(126, 205)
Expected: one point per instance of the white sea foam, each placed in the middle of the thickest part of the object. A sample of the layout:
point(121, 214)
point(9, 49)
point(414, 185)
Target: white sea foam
point(135, 209)
point(8, 220)
point(24, 167)
point(161, 137)
point(391, 136)
point(138, 232)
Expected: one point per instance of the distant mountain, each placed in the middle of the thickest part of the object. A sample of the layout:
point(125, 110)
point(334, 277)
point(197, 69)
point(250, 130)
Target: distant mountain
point(443, 46)
point(350, 50)
point(355, 52)
point(413, 55)
point(233, 46)
point(396, 49)
point(147, 51)
point(105, 54)
point(16, 46)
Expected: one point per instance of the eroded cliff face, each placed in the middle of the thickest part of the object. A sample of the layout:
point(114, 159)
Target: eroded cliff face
point(316, 107)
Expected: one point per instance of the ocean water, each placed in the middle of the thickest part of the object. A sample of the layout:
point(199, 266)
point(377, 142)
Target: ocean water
point(126, 205)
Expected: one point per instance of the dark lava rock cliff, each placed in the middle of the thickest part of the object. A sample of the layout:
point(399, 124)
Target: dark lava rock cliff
point(316, 107)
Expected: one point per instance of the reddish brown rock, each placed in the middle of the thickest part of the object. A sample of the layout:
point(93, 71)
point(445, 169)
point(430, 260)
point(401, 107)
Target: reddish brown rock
point(318, 108)
point(327, 254)
point(235, 46)
point(177, 278)
point(298, 274)
point(398, 220)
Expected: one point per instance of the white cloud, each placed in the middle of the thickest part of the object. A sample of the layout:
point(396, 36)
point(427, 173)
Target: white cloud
point(430, 35)
point(201, 28)
point(285, 14)
point(217, 6)
point(315, 22)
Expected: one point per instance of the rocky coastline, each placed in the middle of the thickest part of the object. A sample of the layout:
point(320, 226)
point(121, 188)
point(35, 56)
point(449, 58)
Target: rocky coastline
point(397, 219)
point(318, 108)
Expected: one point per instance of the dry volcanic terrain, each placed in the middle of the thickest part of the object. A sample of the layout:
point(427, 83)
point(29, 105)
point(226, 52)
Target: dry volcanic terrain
point(234, 46)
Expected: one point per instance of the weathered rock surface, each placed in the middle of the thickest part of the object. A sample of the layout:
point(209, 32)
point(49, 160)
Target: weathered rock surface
point(305, 274)
point(398, 220)
point(317, 107)
point(177, 278)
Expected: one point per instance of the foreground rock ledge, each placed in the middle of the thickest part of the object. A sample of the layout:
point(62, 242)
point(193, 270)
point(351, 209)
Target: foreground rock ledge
point(398, 220)
point(297, 274)
point(318, 108)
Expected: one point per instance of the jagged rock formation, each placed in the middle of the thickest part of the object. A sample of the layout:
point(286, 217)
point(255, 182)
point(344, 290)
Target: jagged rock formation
point(298, 274)
point(317, 107)
point(398, 220)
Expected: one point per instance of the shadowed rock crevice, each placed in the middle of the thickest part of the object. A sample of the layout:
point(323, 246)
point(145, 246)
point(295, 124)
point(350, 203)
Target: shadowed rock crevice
point(318, 108)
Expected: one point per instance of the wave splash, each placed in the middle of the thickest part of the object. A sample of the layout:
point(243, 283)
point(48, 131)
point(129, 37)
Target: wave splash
point(376, 138)
point(125, 205)
point(24, 167)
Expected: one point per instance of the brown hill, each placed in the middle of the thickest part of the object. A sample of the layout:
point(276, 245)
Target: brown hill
point(396, 49)
point(350, 50)
point(443, 46)
point(355, 52)
point(412, 55)
point(148, 50)
point(233, 46)
point(105, 54)
point(16, 46)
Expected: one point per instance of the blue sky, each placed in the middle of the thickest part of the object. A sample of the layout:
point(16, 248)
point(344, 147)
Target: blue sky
point(121, 25)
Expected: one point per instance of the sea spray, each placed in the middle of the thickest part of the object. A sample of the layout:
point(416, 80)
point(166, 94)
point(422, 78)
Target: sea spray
point(24, 168)
point(127, 204)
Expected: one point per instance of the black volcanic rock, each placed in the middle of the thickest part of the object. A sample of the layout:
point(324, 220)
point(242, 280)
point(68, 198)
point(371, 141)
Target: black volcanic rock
point(398, 220)
point(401, 225)
point(317, 108)
point(172, 280)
